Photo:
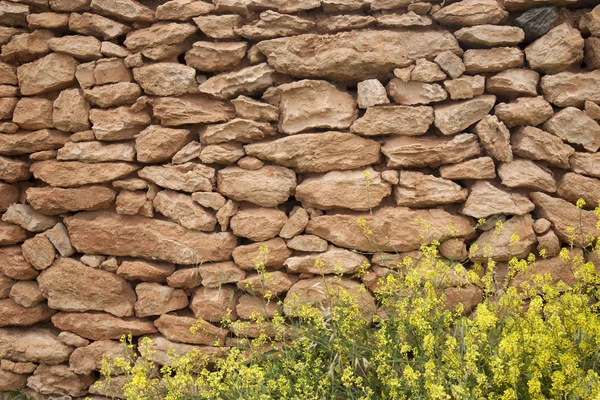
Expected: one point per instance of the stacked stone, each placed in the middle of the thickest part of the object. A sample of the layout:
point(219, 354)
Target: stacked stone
point(147, 151)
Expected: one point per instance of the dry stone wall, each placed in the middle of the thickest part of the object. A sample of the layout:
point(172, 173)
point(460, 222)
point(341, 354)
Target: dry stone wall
point(148, 149)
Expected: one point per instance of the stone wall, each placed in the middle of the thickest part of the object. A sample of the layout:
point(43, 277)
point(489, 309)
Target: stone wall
point(147, 150)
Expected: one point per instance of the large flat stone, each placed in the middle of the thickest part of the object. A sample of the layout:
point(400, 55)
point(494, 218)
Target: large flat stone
point(96, 325)
point(190, 109)
point(40, 345)
point(55, 201)
point(76, 173)
point(136, 236)
point(572, 88)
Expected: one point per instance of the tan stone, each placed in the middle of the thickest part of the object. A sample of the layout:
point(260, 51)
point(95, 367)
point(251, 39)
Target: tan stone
point(6, 33)
point(95, 151)
point(164, 351)
point(318, 152)
point(31, 142)
point(343, 231)
point(130, 202)
point(315, 291)
point(427, 71)
point(274, 283)
point(455, 117)
point(213, 304)
point(14, 265)
point(183, 210)
point(209, 199)
point(146, 271)
point(334, 260)
point(549, 244)
point(592, 52)
point(412, 93)
point(536, 144)
point(465, 87)
point(486, 199)
point(7, 106)
point(497, 244)
point(33, 344)
point(33, 113)
point(96, 25)
point(223, 153)
point(190, 109)
point(241, 130)
point(495, 138)
point(83, 136)
point(343, 22)
point(186, 278)
point(101, 326)
point(6, 284)
point(109, 49)
point(11, 234)
point(248, 108)
point(336, 56)
point(527, 174)
point(12, 170)
point(258, 223)
point(26, 47)
point(18, 367)
point(471, 13)
point(75, 173)
point(346, 189)
point(573, 187)
point(28, 218)
point(490, 36)
point(39, 251)
point(492, 60)
point(250, 163)
point(14, 14)
point(586, 164)
point(307, 243)
point(105, 233)
point(118, 123)
point(166, 79)
point(272, 24)
point(249, 305)
point(156, 299)
point(51, 73)
point(70, 111)
point(115, 94)
point(87, 359)
point(592, 110)
point(520, 5)
point(182, 10)
point(188, 177)
point(162, 40)
point(429, 151)
point(8, 194)
point(571, 88)
point(268, 186)
point(71, 286)
point(14, 314)
point(214, 57)
point(450, 63)
point(399, 120)
point(283, 6)
point(453, 249)
point(187, 153)
point(110, 70)
point(55, 201)
point(82, 47)
point(8, 74)
point(225, 213)
point(574, 126)
point(556, 51)
point(524, 111)
point(59, 237)
point(416, 189)
point(514, 83)
point(128, 10)
point(219, 26)
point(296, 223)
point(157, 144)
point(11, 380)
point(177, 329)
point(245, 81)
point(216, 274)
point(247, 256)
point(541, 225)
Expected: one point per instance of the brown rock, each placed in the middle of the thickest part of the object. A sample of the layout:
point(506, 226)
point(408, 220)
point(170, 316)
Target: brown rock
point(75, 173)
point(71, 286)
point(157, 144)
point(315, 291)
point(14, 14)
point(225, 213)
point(31, 142)
point(188, 177)
point(71, 111)
point(412, 93)
point(14, 265)
point(318, 152)
point(59, 237)
point(592, 110)
point(105, 233)
point(128, 10)
point(224, 153)
point(586, 164)
point(465, 87)
point(416, 189)
point(536, 144)
point(54, 201)
point(246, 81)
point(12, 170)
point(268, 186)
point(490, 36)
point(33, 113)
point(28, 218)
point(247, 256)
point(81, 47)
point(109, 70)
point(450, 63)
point(527, 174)
point(241, 130)
point(371, 93)
point(190, 109)
point(118, 123)
point(14, 314)
point(11, 234)
point(101, 326)
point(549, 243)
point(514, 83)
point(332, 261)
point(498, 244)
point(343, 231)
point(156, 299)
point(214, 304)
point(308, 243)
point(26, 294)
point(283, 6)
point(429, 151)
point(295, 224)
point(455, 117)
point(399, 120)
point(11, 380)
point(346, 189)
point(8, 194)
point(216, 274)
point(146, 271)
point(574, 126)
point(115, 94)
point(524, 111)
point(209, 199)
point(344, 22)
point(39, 251)
point(164, 351)
point(48, 74)
point(8, 74)
point(592, 52)
point(182, 10)
point(471, 13)
point(573, 187)
point(495, 138)
point(246, 107)
point(87, 359)
point(272, 283)
point(109, 49)
point(272, 24)
point(571, 89)
point(486, 199)
point(177, 329)
point(7, 106)
point(26, 47)
point(96, 25)
point(426, 71)
point(492, 60)
point(250, 305)
point(6, 284)
point(541, 225)
point(166, 79)
point(215, 57)
point(34, 344)
point(556, 51)
point(219, 26)
point(95, 151)
point(183, 210)
point(454, 249)
point(18, 367)
point(258, 223)
point(186, 278)
point(187, 153)
point(336, 56)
